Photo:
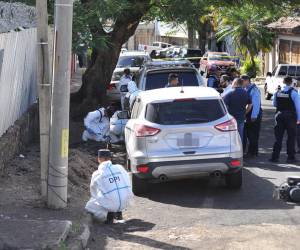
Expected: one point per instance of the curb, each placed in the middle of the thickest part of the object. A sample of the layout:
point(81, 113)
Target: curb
point(81, 241)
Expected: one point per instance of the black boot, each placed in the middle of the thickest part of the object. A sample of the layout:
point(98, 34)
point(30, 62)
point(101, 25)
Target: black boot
point(110, 218)
point(119, 216)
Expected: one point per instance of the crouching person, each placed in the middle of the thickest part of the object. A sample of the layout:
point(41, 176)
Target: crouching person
point(110, 188)
point(97, 125)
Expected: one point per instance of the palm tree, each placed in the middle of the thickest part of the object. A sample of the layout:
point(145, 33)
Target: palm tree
point(247, 28)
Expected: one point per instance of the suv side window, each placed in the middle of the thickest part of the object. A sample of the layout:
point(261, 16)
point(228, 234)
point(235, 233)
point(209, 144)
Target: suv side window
point(298, 71)
point(282, 71)
point(292, 71)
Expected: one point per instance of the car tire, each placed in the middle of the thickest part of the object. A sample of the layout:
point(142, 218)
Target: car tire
point(234, 180)
point(139, 186)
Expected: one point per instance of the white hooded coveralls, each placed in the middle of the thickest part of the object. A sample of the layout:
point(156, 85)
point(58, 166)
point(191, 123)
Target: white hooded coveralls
point(96, 126)
point(133, 92)
point(124, 81)
point(110, 189)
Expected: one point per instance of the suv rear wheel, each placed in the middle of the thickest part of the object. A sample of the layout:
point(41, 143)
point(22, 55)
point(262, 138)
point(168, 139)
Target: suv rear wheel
point(234, 180)
point(139, 186)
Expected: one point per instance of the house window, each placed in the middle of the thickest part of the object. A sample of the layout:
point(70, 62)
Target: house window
point(284, 51)
point(295, 52)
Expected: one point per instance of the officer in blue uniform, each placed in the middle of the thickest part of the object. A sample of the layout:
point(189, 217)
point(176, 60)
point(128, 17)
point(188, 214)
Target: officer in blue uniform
point(253, 118)
point(212, 80)
point(287, 102)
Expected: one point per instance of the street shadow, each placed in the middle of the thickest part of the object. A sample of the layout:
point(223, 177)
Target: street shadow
point(127, 232)
point(278, 167)
point(256, 193)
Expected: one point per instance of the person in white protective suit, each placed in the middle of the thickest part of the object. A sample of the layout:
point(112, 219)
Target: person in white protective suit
point(130, 97)
point(125, 79)
point(111, 190)
point(117, 126)
point(96, 126)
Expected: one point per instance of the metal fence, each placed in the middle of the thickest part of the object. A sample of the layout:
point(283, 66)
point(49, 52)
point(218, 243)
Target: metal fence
point(18, 88)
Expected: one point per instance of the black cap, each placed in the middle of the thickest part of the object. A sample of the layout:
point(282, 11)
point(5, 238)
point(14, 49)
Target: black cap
point(245, 77)
point(104, 153)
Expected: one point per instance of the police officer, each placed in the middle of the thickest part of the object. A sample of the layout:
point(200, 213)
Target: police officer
point(212, 80)
point(172, 81)
point(253, 118)
point(287, 102)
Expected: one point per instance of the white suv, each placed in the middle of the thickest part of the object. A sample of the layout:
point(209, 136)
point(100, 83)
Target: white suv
point(177, 133)
point(128, 59)
point(275, 79)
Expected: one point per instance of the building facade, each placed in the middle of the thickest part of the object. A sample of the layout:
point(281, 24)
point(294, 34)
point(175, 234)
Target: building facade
point(286, 48)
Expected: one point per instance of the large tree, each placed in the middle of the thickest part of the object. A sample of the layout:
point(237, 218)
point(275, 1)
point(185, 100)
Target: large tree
point(105, 25)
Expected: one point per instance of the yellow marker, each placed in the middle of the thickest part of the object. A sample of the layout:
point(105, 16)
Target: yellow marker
point(65, 143)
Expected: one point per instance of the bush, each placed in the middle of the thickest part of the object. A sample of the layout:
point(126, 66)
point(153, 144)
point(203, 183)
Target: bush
point(250, 69)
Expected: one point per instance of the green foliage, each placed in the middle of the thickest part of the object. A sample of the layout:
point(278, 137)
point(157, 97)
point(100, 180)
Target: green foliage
point(247, 27)
point(250, 68)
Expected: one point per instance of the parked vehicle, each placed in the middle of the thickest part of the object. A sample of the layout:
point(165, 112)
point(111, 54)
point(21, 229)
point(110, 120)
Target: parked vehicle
point(220, 60)
point(175, 134)
point(154, 75)
point(190, 53)
point(155, 46)
point(275, 79)
point(128, 59)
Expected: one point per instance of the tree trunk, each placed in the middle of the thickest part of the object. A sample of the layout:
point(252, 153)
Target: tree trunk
point(191, 36)
point(202, 36)
point(96, 79)
point(104, 59)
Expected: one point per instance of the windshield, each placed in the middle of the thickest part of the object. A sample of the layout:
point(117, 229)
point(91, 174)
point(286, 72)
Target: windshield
point(130, 61)
point(186, 112)
point(157, 80)
point(219, 57)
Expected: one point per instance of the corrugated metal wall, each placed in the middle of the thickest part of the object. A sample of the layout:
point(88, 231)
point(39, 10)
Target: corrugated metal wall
point(18, 88)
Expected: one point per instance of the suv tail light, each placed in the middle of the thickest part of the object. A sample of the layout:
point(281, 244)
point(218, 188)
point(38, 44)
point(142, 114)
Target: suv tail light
point(111, 86)
point(235, 163)
point(144, 131)
point(230, 125)
point(143, 169)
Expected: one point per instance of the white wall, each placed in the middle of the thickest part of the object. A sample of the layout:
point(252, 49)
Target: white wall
point(18, 88)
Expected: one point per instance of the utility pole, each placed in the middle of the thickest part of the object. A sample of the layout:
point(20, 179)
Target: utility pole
point(59, 133)
point(44, 87)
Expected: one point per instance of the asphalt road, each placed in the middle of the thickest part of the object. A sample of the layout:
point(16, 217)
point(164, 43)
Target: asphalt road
point(205, 215)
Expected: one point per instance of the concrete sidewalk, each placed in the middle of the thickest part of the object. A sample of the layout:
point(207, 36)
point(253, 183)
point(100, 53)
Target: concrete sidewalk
point(33, 234)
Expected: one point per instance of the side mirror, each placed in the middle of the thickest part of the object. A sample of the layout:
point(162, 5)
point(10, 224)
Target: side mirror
point(202, 73)
point(123, 115)
point(123, 88)
point(269, 74)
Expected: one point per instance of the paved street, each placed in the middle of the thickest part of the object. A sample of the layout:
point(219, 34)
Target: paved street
point(190, 214)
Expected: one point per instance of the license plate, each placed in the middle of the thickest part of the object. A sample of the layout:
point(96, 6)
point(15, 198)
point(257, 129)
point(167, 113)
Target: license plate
point(188, 140)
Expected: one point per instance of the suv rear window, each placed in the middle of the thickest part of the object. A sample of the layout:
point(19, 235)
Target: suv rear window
point(185, 112)
point(130, 61)
point(158, 80)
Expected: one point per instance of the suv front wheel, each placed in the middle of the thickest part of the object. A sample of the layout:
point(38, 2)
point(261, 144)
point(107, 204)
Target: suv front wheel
point(234, 180)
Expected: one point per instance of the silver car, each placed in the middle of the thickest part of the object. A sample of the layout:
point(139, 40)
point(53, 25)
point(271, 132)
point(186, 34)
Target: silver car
point(177, 133)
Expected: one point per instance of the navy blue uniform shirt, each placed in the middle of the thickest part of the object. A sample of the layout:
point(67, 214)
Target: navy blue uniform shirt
point(236, 102)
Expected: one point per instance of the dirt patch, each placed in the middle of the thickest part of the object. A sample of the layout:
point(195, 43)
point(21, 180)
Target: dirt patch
point(20, 183)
